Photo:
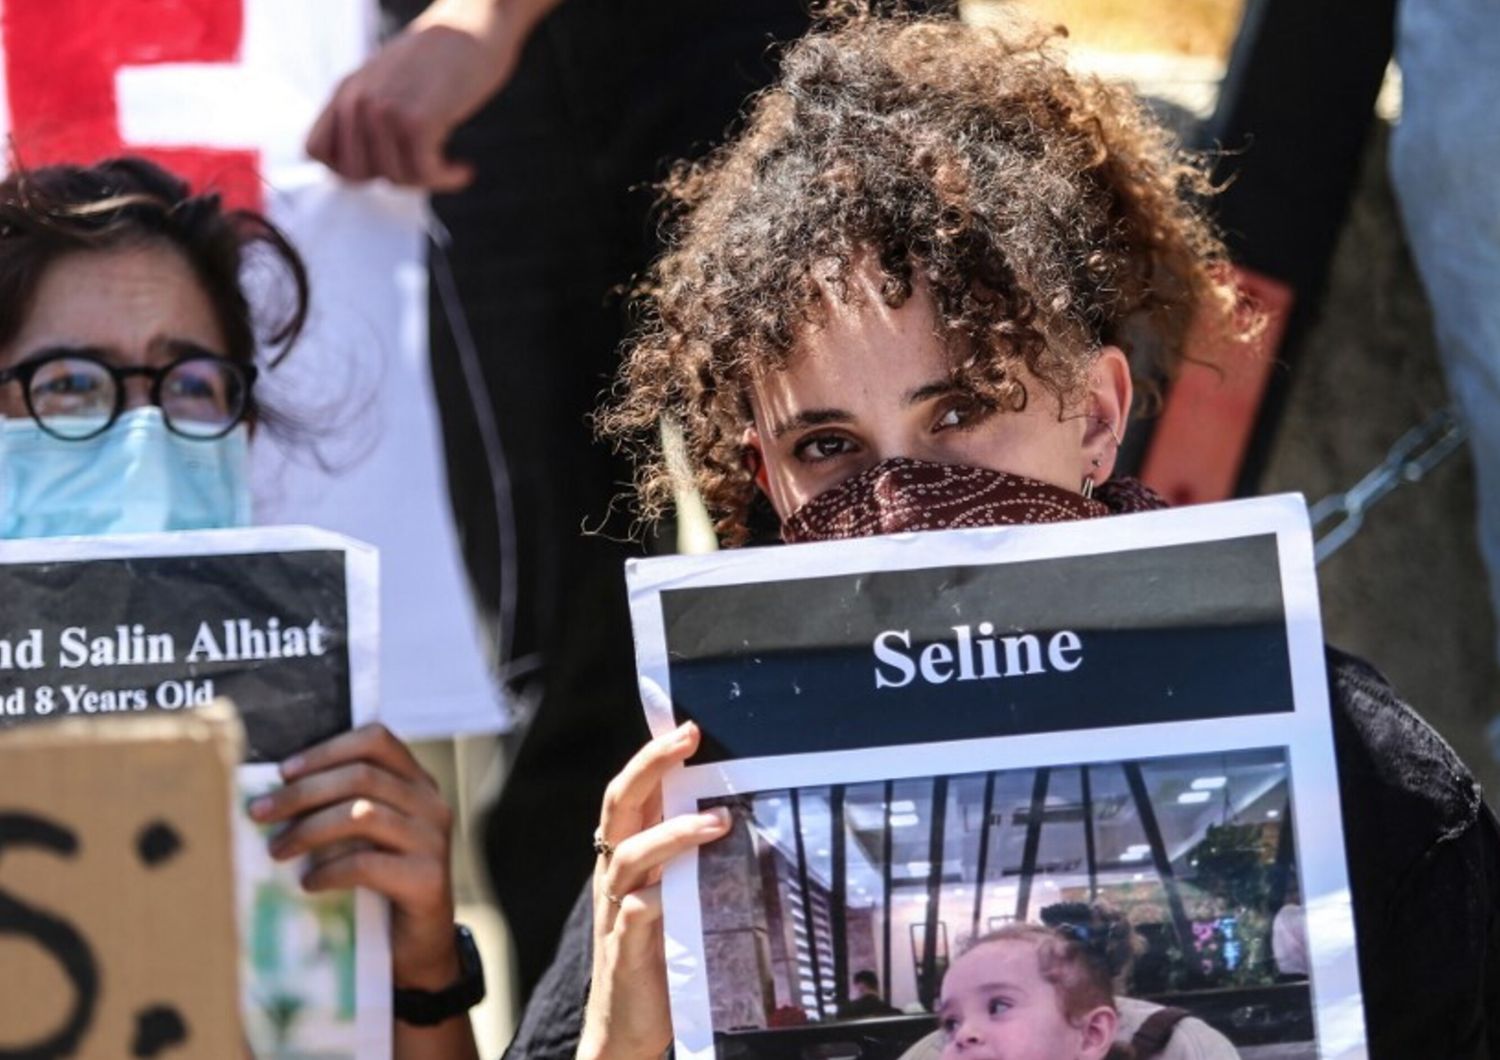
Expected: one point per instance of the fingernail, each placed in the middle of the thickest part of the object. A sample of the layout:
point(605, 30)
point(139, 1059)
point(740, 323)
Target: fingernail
point(291, 765)
point(684, 733)
point(720, 817)
point(261, 807)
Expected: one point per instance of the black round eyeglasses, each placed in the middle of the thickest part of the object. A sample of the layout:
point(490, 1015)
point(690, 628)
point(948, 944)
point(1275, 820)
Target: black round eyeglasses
point(74, 395)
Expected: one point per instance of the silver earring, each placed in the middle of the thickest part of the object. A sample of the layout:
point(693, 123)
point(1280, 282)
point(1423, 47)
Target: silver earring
point(1087, 489)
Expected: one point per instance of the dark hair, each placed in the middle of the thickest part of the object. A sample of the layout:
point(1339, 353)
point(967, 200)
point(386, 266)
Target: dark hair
point(1044, 212)
point(52, 211)
point(1102, 930)
point(1078, 974)
point(865, 977)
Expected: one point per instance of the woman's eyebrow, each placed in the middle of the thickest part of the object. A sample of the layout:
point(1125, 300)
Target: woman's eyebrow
point(70, 349)
point(175, 348)
point(928, 391)
point(810, 418)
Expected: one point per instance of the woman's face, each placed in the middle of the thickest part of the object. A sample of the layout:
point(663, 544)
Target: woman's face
point(131, 306)
point(874, 383)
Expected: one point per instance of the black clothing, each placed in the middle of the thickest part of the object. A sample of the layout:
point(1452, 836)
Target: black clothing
point(1424, 872)
point(1424, 869)
point(606, 95)
point(553, 1018)
point(866, 1006)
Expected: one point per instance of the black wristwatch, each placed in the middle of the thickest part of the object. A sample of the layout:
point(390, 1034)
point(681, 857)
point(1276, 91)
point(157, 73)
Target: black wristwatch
point(427, 1008)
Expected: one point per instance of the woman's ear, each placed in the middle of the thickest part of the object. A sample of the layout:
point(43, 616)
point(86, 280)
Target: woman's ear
point(755, 461)
point(1098, 1033)
point(1106, 408)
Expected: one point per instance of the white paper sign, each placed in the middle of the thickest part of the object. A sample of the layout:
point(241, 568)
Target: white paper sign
point(923, 737)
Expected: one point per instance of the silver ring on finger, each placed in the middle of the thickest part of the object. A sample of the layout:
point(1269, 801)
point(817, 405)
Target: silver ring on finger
point(614, 899)
point(603, 847)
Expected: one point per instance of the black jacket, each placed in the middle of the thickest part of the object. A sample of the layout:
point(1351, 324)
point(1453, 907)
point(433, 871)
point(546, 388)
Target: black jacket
point(1424, 871)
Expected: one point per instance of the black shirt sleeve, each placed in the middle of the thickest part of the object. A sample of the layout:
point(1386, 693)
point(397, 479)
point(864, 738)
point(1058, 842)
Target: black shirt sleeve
point(553, 1019)
point(1424, 876)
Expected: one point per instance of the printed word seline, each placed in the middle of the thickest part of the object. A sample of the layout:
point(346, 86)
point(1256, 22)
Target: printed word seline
point(975, 654)
point(232, 640)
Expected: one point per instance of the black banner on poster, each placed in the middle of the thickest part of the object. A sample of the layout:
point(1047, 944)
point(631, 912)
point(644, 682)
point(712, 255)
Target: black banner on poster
point(119, 635)
point(886, 658)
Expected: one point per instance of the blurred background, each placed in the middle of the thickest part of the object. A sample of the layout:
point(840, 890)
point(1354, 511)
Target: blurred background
point(1409, 589)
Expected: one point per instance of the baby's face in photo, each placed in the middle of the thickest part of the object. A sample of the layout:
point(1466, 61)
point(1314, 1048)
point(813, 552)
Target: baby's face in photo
point(996, 1006)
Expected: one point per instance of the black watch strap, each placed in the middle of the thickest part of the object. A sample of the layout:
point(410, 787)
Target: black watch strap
point(427, 1008)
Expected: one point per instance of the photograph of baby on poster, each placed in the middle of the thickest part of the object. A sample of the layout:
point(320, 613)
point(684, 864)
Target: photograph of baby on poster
point(1046, 913)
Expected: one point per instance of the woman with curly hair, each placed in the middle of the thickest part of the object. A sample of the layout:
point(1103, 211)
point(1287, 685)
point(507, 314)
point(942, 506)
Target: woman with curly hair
point(909, 295)
point(1038, 224)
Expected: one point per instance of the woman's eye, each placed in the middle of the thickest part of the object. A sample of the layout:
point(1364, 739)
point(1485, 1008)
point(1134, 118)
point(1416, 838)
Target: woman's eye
point(188, 388)
point(72, 383)
point(823, 447)
point(960, 414)
point(191, 388)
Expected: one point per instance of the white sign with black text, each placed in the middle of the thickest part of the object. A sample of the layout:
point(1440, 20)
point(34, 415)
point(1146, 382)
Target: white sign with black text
point(923, 738)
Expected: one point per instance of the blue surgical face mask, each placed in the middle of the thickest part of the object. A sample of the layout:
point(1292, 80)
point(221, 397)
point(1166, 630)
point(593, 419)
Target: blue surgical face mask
point(136, 477)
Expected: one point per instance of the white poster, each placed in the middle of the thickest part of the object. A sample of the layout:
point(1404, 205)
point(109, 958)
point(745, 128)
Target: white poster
point(923, 738)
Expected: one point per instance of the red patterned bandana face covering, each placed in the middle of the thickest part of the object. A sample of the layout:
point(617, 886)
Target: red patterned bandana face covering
point(898, 495)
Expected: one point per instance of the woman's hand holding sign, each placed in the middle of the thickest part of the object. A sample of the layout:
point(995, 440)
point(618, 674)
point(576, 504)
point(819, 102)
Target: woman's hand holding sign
point(367, 815)
point(627, 1014)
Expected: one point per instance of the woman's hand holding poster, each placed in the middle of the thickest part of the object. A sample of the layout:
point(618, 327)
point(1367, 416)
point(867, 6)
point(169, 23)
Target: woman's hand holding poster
point(924, 738)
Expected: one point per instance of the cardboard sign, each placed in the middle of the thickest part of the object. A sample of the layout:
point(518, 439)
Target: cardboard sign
point(117, 931)
point(922, 738)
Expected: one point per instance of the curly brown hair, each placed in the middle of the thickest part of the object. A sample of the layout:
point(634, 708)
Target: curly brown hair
point(1045, 213)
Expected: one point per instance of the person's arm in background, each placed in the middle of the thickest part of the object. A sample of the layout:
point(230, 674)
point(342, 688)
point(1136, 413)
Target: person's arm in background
point(370, 816)
point(393, 116)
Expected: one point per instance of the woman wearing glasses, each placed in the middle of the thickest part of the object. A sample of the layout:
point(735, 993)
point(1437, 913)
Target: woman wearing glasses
point(127, 401)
